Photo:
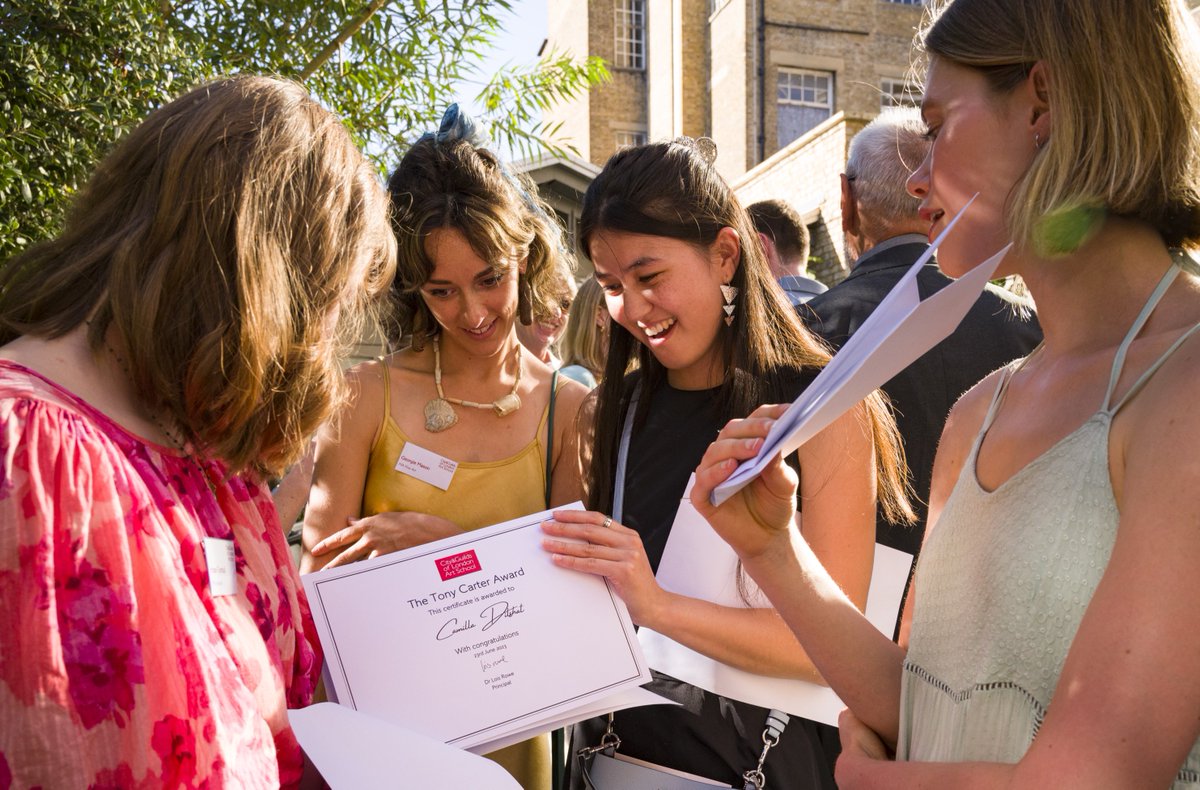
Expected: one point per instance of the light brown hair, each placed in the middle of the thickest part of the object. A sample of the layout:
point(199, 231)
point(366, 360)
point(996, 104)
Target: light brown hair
point(454, 184)
point(784, 225)
point(1123, 90)
point(219, 239)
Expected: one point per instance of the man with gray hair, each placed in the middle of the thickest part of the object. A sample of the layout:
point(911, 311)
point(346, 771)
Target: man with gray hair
point(885, 236)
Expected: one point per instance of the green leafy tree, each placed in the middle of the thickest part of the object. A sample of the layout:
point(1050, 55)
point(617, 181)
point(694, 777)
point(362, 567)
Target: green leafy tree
point(75, 74)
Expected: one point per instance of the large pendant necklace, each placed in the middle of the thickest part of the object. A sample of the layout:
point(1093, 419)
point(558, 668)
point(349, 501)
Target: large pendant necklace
point(440, 415)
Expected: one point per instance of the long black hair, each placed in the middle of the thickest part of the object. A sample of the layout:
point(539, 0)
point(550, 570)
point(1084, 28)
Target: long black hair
point(671, 189)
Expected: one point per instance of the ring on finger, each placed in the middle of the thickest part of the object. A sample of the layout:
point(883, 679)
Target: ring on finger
point(607, 522)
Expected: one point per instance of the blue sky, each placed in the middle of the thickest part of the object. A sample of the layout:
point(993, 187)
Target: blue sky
point(524, 29)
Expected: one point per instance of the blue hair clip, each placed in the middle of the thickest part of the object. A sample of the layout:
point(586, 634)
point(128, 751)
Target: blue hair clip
point(456, 125)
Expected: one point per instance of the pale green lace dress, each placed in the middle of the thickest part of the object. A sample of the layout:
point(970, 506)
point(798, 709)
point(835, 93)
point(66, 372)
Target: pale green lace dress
point(1002, 586)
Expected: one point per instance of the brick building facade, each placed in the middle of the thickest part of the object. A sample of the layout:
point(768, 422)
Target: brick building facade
point(780, 85)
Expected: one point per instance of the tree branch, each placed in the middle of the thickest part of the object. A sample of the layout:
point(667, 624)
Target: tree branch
point(352, 27)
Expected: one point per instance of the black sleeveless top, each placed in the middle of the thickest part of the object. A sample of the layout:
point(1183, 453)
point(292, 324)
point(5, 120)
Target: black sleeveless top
point(708, 735)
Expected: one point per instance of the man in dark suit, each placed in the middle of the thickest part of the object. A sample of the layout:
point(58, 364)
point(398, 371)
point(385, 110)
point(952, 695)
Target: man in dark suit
point(885, 236)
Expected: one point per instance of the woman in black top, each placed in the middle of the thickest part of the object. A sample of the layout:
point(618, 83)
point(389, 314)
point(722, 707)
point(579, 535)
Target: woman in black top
point(693, 301)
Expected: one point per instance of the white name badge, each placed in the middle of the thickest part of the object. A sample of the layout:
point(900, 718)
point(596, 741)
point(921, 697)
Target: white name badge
point(426, 465)
point(222, 574)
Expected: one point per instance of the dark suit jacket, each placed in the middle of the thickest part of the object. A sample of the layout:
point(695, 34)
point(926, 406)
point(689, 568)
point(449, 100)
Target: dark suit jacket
point(991, 335)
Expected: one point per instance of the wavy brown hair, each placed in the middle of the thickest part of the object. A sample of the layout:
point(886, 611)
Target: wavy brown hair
point(220, 239)
point(668, 189)
point(453, 184)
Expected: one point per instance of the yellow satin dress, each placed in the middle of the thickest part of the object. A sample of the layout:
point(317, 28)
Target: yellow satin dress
point(480, 494)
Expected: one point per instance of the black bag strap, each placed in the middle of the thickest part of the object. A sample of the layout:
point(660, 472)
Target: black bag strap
point(558, 739)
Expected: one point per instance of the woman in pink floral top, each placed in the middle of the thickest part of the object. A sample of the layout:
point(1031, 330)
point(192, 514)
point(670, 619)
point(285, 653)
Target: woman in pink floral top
point(170, 349)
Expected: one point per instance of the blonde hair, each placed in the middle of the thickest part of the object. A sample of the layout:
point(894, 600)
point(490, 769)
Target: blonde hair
point(1123, 82)
point(453, 184)
point(583, 342)
point(219, 239)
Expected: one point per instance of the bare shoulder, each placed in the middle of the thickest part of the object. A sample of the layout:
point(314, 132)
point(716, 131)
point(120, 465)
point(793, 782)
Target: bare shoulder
point(366, 382)
point(1154, 437)
point(963, 425)
point(967, 415)
point(365, 400)
point(570, 397)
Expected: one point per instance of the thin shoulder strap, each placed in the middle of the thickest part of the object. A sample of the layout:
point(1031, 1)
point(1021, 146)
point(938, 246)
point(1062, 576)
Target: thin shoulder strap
point(550, 435)
point(1122, 350)
point(1006, 375)
point(387, 399)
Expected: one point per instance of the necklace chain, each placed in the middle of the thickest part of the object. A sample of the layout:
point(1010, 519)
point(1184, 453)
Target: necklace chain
point(440, 415)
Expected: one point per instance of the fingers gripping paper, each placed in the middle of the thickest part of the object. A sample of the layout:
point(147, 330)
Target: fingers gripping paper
point(900, 330)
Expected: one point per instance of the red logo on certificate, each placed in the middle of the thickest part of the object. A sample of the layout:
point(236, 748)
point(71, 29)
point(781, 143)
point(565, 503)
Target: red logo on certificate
point(458, 565)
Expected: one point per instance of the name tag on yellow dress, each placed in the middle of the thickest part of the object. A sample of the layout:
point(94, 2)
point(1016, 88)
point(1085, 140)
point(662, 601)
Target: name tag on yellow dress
point(426, 465)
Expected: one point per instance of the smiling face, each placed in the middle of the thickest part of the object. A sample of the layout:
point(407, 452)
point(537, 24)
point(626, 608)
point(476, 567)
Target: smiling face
point(474, 302)
point(547, 329)
point(981, 142)
point(667, 294)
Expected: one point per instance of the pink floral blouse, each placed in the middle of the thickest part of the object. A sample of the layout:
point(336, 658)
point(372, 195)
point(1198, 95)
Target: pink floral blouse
point(118, 667)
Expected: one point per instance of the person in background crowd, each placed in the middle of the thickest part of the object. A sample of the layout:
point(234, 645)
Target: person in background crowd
point(885, 235)
point(585, 343)
point(174, 346)
point(478, 256)
point(541, 336)
point(785, 240)
point(693, 300)
point(1055, 637)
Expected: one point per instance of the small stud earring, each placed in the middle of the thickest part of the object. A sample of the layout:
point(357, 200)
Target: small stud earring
point(1037, 141)
point(729, 293)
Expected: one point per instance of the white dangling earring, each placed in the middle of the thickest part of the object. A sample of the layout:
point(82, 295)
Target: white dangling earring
point(730, 293)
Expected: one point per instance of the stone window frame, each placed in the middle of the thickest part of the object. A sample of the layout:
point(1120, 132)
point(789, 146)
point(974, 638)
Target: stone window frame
point(898, 92)
point(789, 72)
point(627, 138)
point(629, 34)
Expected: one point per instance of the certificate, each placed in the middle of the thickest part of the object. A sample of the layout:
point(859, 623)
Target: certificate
point(478, 639)
point(897, 332)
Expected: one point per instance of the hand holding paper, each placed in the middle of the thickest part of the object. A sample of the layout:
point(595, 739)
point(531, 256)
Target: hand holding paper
point(900, 330)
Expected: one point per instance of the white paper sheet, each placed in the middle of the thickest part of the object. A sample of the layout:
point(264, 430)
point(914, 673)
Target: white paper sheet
point(474, 639)
point(354, 751)
point(697, 563)
point(897, 332)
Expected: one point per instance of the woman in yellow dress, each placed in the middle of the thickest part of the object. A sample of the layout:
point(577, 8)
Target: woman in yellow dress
point(478, 253)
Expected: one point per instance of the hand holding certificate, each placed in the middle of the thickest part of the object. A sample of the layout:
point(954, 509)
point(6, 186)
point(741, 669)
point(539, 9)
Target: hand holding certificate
point(483, 641)
point(900, 330)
